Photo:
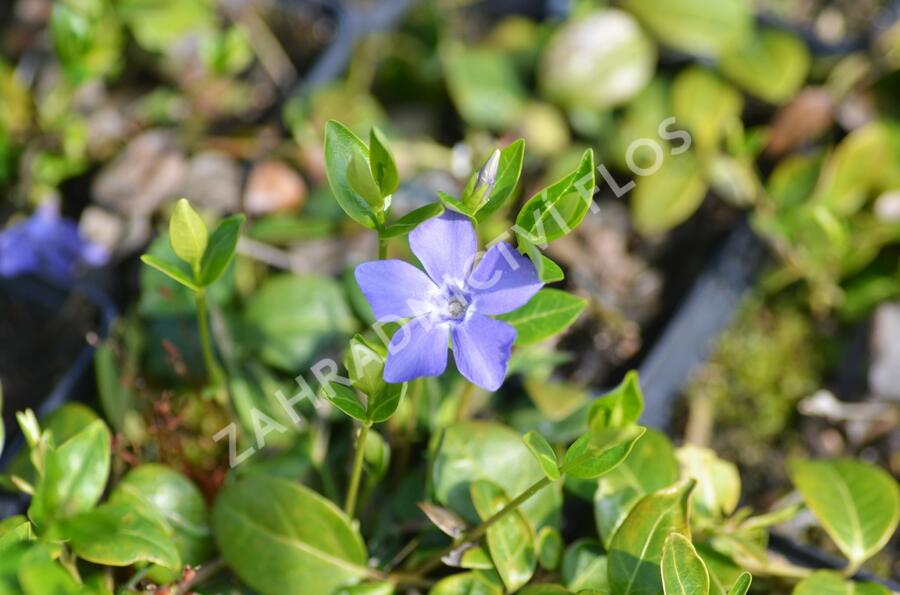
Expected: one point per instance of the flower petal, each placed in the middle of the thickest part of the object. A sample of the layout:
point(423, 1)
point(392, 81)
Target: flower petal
point(417, 349)
point(446, 246)
point(481, 348)
point(503, 281)
point(395, 289)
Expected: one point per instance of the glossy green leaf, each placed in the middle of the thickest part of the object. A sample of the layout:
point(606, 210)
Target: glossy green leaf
point(742, 585)
point(598, 452)
point(341, 145)
point(377, 588)
point(544, 454)
point(345, 399)
point(75, 475)
point(620, 407)
point(636, 550)
point(359, 176)
point(509, 169)
point(771, 64)
point(116, 398)
point(171, 270)
point(188, 233)
point(510, 540)
point(547, 313)
point(825, 582)
point(683, 571)
point(718, 481)
point(87, 39)
point(857, 503)
point(649, 467)
point(220, 249)
point(481, 450)
point(120, 535)
point(545, 589)
point(668, 196)
point(705, 105)
point(384, 169)
point(585, 566)
point(411, 220)
point(455, 204)
point(549, 543)
point(173, 497)
point(558, 209)
point(14, 529)
point(549, 271)
point(293, 318)
point(597, 61)
point(365, 361)
point(276, 534)
point(695, 26)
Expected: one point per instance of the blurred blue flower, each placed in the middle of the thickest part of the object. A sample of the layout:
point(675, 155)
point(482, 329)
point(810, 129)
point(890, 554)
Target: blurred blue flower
point(47, 244)
point(453, 302)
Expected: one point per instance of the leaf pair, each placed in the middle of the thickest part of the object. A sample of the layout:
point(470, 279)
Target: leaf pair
point(365, 364)
point(207, 255)
point(489, 188)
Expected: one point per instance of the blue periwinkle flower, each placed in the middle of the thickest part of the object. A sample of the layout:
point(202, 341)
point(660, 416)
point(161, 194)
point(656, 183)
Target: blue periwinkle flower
point(452, 301)
point(47, 244)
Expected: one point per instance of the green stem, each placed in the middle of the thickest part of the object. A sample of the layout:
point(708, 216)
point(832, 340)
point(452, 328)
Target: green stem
point(356, 473)
point(475, 533)
point(382, 248)
point(462, 408)
point(212, 368)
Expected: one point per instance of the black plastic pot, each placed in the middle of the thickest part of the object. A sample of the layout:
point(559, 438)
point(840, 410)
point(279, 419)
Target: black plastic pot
point(61, 357)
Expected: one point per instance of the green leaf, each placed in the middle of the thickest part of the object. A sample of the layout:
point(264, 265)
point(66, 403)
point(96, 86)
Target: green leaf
point(384, 170)
point(345, 399)
point(741, 585)
point(40, 574)
point(121, 534)
point(220, 250)
point(484, 86)
point(549, 271)
point(411, 220)
point(365, 364)
point(825, 582)
point(597, 61)
point(637, 547)
point(547, 313)
point(188, 234)
point(116, 398)
point(705, 105)
point(171, 270)
point(509, 169)
point(545, 589)
point(74, 477)
point(359, 176)
point(683, 571)
point(164, 492)
point(620, 407)
point(466, 583)
point(598, 452)
point(668, 196)
point(510, 540)
point(297, 537)
point(379, 588)
point(13, 530)
point(295, 317)
point(341, 145)
point(718, 481)
point(770, 64)
point(454, 204)
point(544, 454)
point(585, 567)
point(471, 451)
point(87, 38)
point(549, 547)
point(158, 26)
point(695, 26)
point(858, 504)
point(649, 467)
point(558, 209)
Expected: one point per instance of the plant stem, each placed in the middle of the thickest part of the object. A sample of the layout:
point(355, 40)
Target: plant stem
point(462, 408)
point(478, 531)
point(356, 473)
point(212, 368)
point(382, 248)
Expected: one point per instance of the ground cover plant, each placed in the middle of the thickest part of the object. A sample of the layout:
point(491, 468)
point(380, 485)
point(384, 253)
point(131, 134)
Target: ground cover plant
point(386, 332)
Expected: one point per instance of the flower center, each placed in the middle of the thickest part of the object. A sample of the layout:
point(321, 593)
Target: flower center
point(456, 307)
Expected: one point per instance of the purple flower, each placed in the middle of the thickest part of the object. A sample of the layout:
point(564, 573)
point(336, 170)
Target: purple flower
point(48, 244)
point(453, 302)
